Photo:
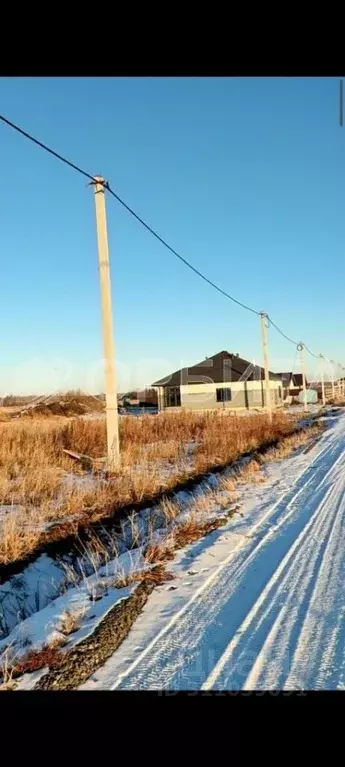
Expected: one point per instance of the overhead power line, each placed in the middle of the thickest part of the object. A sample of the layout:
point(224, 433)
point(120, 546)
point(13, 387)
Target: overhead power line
point(295, 343)
point(310, 352)
point(129, 209)
point(146, 226)
point(175, 253)
point(47, 148)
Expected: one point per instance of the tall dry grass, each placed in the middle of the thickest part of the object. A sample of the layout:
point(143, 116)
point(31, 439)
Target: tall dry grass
point(35, 473)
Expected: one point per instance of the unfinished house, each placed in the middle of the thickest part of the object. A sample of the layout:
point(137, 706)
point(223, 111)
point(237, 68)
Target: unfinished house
point(224, 381)
point(292, 384)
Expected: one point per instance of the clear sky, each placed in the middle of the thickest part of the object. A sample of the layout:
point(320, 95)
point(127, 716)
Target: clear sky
point(245, 177)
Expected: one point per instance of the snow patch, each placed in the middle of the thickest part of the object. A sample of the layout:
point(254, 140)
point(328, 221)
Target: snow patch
point(90, 600)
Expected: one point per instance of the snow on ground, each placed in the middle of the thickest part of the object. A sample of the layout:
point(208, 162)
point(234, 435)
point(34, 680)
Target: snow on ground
point(28, 681)
point(311, 408)
point(258, 604)
point(91, 600)
point(29, 591)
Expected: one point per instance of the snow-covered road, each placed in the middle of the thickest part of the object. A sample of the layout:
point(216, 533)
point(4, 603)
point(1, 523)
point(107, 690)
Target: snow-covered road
point(271, 613)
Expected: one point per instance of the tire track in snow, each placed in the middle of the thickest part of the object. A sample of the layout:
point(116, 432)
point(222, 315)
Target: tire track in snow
point(271, 628)
point(322, 635)
point(184, 653)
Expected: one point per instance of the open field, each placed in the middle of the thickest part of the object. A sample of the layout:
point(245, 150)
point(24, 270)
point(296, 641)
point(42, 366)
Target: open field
point(46, 496)
point(93, 590)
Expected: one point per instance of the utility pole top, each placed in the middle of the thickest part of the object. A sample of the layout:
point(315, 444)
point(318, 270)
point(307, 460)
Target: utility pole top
point(99, 181)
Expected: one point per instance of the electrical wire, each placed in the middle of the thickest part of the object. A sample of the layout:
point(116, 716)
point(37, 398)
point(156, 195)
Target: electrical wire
point(148, 228)
point(310, 352)
point(175, 253)
point(47, 148)
point(129, 209)
point(295, 343)
point(299, 344)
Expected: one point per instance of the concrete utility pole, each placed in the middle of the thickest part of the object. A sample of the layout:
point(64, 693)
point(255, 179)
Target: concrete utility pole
point(263, 320)
point(339, 388)
point(323, 380)
point(301, 349)
point(107, 322)
point(332, 374)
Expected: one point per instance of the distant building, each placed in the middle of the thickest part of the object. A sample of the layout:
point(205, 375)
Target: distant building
point(292, 383)
point(224, 381)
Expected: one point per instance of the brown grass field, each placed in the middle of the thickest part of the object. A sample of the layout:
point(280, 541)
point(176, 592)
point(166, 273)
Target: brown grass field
point(52, 495)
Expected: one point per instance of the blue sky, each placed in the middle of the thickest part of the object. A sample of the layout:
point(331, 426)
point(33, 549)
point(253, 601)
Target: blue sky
point(243, 176)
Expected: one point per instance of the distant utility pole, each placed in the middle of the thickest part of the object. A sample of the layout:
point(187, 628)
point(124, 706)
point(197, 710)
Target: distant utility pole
point(107, 322)
point(302, 350)
point(323, 380)
point(339, 387)
point(332, 374)
point(263, 321)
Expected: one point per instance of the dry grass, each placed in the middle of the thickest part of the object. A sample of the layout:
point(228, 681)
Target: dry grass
point(170, 509)
point(10, 669)
point(34, 469)
point(228, 483)
point(193, 529)
point(70, 621)
point(249, 473)
point(7, 683)
point(156, 575)
point(203, 501)
point(290, 443)
point(156, 553)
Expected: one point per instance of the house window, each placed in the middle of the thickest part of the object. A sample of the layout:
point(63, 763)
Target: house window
point(223, 395)
point(172, 396)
